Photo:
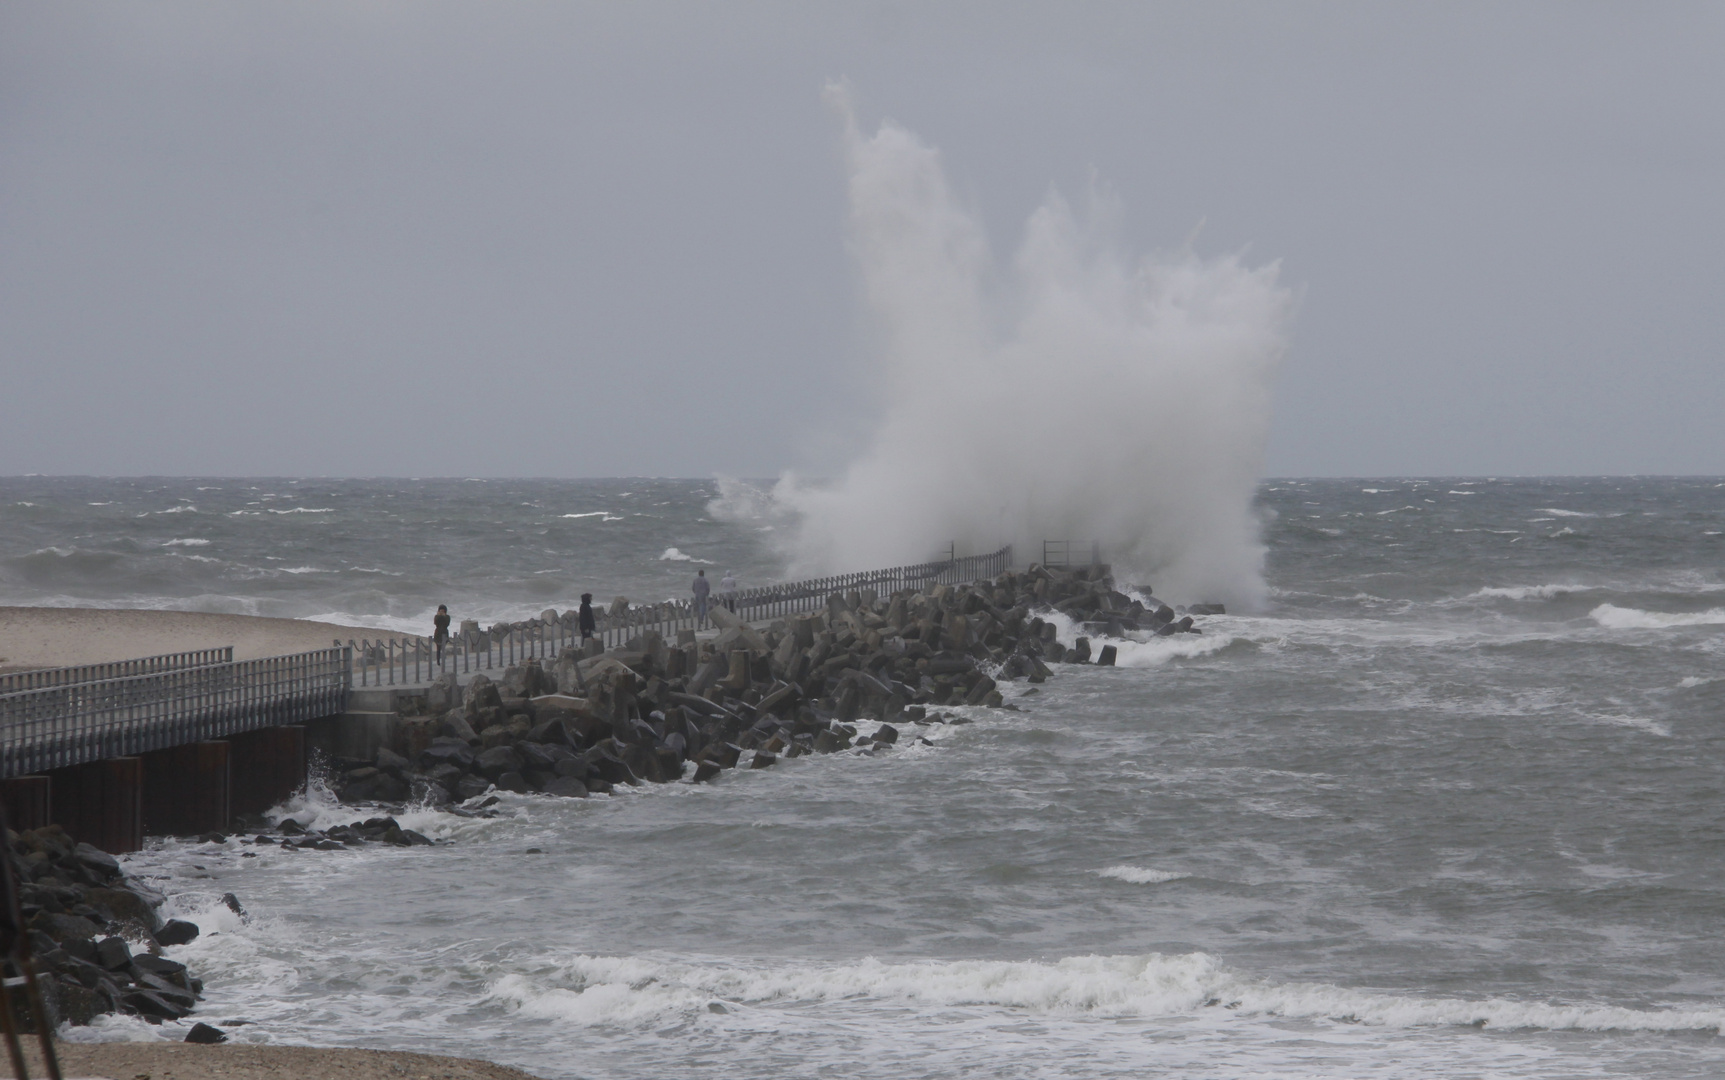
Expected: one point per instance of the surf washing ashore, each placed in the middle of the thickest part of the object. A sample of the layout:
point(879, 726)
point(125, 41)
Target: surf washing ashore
point(1447, 804)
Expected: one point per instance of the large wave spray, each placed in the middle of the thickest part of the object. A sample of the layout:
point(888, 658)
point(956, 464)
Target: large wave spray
point(1081, 396)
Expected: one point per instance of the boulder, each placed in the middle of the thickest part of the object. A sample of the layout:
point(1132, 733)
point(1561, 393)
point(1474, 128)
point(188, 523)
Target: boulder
point(724, 755)
point(566, 786)
point(176, 932)
point(538, 755)
point(125, 906)
point(706, 771)
point(71, 1002)
point(1107, 656)
point(454, 725)
point(391, 762)
point(446, 775)
point(113, 953)
point(763, 759)
point(493, 763)
point(94, 859)
point(482, 693)
point(443, 694)
point(470, 786)
point(64, 927)
point(728, 622)
point(984, 686)
point(204, 1033)
point(447, 751)
point(513, 781)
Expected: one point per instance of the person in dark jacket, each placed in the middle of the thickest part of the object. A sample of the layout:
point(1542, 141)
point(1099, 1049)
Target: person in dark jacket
point(440, 630)
point(702, 588)
point(589, 624)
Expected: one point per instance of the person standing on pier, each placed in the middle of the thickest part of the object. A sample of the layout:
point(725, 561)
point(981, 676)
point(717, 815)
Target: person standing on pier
point(728, 590)
point(703, 588)
point(589, 625)
point(440, 630)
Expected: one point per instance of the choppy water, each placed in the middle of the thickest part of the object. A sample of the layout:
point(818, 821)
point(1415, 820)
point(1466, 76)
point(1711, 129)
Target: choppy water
point(1451, 808)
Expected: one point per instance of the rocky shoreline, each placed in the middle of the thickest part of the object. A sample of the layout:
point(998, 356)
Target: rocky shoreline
point(648, 711)
point(85, 917)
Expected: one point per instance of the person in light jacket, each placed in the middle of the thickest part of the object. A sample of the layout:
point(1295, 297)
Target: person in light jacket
point(703, 588)
point(728, 590)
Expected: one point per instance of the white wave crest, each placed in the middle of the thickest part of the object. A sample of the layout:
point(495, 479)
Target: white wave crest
point(1562, 513)
point(1528, 592)
point(590, 513)
point(190, 541)
point(673, 555)
point(1613, 617)
point(306, 510)
point(642, 991)
point(1140, 875)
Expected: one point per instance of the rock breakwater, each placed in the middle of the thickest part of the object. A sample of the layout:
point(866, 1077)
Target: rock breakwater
point(96, 935)
point(652, 711)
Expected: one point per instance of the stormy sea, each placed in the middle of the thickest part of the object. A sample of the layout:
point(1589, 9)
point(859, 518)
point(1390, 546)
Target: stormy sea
point(1443, 800)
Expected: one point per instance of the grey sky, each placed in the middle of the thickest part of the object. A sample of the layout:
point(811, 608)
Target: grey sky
point(608, 239)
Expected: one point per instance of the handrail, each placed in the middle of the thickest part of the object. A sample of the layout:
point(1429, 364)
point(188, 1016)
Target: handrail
point(51, 727)
point(16, 681)
point(414, 660)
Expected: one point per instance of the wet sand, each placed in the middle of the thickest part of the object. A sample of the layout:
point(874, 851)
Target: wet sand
point(188, 1061)
point(32, 637)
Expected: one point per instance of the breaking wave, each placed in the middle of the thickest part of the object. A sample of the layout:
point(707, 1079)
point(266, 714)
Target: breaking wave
point(636, 991)
point(1613, 617)
point(1150, 379)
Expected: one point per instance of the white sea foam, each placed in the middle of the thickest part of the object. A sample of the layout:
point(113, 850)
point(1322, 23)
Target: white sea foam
point(174, 510)
point(1464, 493)
point(1690, 682)
point(1639, 722)
point(1140, 875)
point(1613, 617)
point(640, 991)
point(1529, 592)
point(190, 541)
point(590, 513)
point(1148, 379)
point(306, 510)
point(1144, 650)
point(671, 554)
point(1562, 513)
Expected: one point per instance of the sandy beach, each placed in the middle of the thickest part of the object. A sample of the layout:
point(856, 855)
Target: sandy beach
point(40, 637)
point(188, 1061)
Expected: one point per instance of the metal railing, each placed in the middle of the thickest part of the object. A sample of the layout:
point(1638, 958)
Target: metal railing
point(53, 726)
point(412, 660)
point(119, 669)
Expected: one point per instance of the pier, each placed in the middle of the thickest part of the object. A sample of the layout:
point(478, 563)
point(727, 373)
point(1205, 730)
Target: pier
point(182, 743)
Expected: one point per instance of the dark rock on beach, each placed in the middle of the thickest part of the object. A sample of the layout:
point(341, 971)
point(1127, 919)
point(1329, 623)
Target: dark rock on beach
point(79, 909)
